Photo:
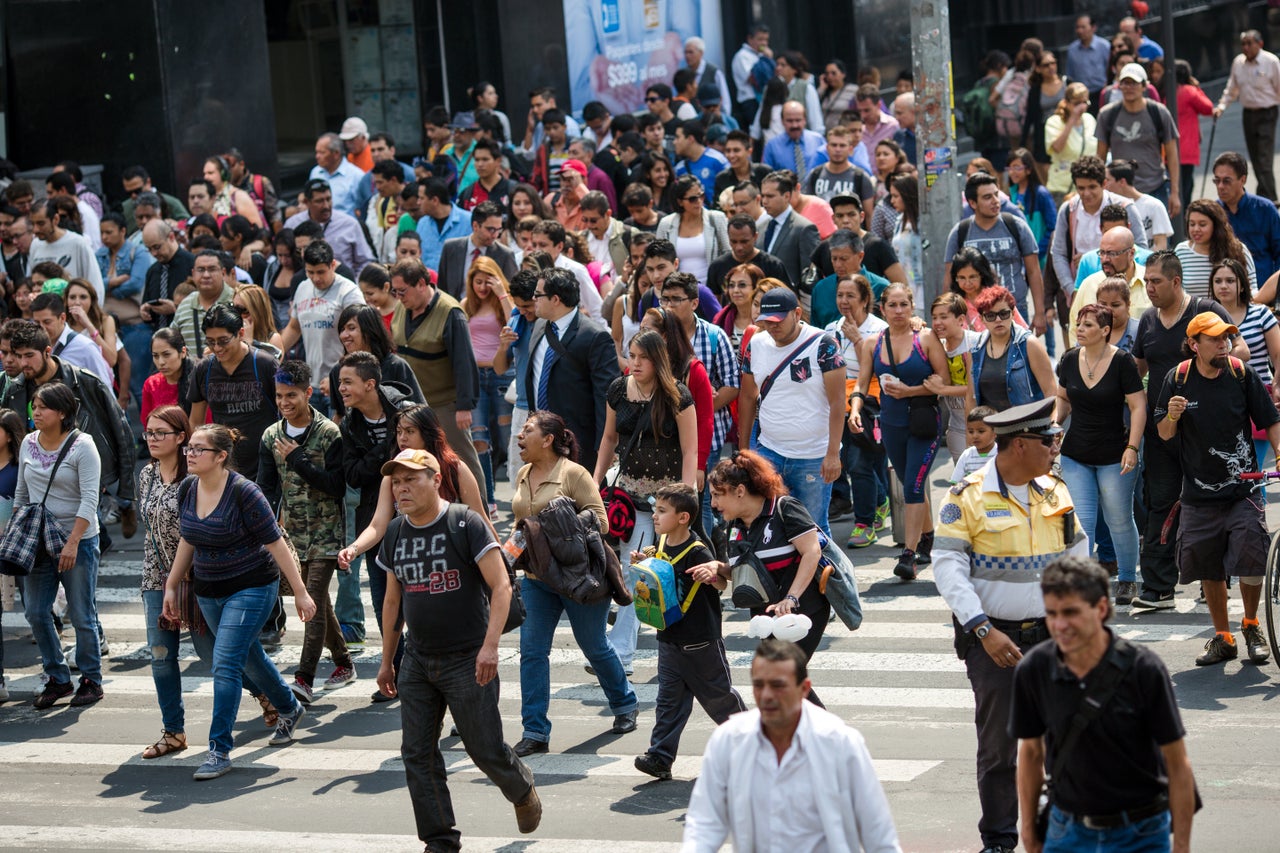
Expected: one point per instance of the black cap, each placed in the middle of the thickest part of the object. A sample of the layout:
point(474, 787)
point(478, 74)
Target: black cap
point(1030, 418)
point(777, 304)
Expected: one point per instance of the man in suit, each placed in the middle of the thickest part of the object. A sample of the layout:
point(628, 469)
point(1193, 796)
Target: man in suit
point(789, 237)
point(459, 252)
point(581, 357)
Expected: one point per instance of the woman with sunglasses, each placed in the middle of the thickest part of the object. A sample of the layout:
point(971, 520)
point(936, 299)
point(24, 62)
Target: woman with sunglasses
point(231, 547)
point(1097, 383)
point(699, 235)
point(1010, 365)
point(251, 302)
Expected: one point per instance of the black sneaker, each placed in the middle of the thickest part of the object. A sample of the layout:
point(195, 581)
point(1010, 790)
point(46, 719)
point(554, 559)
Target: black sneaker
point(1149, 601)
point(53, 691)
point(841, 509)
point(88, 693)
point(1126, 591)
point(906, 568)
point(1255, 644)
point(271, 640)
point(924, 549)
point(528, 746)
point(1217, 650)
point(379, 696)
point(625, 723)
point(653, 765)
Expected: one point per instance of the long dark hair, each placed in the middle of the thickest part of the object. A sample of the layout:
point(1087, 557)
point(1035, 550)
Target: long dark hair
point(909, 190)
point(666, 396)
point(177, 421)
point(372, 329)
point(1223, 244)
point(679, 349)
point(968, 256)
point(1028, 161)
point(540, 208)
point(16, 428)
point(425, 421)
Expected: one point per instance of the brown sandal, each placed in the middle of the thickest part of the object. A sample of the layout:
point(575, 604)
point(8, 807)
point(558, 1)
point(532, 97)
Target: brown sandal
point(270, 716)
point(169, 742)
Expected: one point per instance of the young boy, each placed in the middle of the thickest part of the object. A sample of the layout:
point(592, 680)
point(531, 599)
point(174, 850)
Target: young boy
point(948, 314)
point(691, 657)
point(982, 444)
point(300, 472)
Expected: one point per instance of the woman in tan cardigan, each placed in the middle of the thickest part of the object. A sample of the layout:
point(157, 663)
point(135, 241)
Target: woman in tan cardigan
point(549, 451)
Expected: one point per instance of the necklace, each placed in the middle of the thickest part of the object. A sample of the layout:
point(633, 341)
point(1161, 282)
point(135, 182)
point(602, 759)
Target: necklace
point(1089, 368)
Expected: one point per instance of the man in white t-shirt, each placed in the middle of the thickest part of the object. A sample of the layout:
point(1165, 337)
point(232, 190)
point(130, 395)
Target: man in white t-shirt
point(317, 303)
point(62, 184)
point(65, 248)
point(791, 367)
point(1155, 219)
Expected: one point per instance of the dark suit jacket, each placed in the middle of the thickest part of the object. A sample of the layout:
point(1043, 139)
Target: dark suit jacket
point(579, 381)
point(453, 264)
point(794, 246)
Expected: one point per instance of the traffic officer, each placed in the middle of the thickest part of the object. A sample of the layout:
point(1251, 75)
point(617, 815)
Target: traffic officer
point(997, 530)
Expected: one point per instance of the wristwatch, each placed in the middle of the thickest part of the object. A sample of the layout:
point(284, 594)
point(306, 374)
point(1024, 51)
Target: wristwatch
point(982, 630)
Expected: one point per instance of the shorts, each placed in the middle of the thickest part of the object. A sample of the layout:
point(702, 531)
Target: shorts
point(1221, 540)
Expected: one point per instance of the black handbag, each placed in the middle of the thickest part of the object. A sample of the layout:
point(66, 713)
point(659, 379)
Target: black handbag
point(619, 505)
point(869, 438)
point(924, 420)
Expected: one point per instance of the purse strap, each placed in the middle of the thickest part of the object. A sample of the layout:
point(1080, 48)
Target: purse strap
point(1114, 667)
point(767, 385)
point(62, 454)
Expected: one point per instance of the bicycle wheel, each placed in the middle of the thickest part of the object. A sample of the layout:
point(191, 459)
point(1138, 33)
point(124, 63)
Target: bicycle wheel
point(1271, 595)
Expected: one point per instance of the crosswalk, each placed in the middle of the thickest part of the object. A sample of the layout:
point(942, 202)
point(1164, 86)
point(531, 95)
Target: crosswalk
point(896, 678)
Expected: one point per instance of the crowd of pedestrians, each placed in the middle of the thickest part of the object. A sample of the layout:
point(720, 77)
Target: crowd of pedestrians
point(698, 336)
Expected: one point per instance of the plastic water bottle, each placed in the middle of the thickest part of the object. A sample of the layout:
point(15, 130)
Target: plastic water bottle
point(514, 546)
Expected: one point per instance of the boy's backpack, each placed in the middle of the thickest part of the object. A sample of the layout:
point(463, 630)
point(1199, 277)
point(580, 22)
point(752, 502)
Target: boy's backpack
point(1011, 108)
point(979, 115)
point(656, 589)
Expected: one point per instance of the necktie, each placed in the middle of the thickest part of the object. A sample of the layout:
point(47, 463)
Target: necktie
point(164, 281)
point(798, 148)
point(475, 253)
point(769, 233)
point(547, 361)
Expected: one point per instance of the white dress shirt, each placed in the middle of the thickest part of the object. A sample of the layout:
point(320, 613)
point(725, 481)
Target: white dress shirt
point(540, 354)
point(591, 301)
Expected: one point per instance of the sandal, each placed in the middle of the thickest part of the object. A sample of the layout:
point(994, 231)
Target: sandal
point(270, 716)
point(169, 742)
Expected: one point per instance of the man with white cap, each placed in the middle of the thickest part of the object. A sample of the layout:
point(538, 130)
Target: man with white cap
point(355, 135)
point(997, 530)
point(1139, 129)
point(1207, 403)
point(444, 565)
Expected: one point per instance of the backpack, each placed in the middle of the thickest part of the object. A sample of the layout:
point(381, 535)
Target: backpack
point(1184, 367)
point(979, 115)
point(1011, 108)
point(656, 589)
point(1009, 220)
point(1110, 117)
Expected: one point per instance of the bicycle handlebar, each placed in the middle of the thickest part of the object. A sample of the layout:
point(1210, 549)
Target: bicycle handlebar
point(1260, 475)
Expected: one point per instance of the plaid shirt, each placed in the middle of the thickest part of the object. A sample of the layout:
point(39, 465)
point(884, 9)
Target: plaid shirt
point(713, 348)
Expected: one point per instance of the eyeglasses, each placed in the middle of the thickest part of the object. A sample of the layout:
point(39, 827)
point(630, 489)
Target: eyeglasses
point(537, 294)
point(1219, 181)
point(399, 292)
point(651, 98)
point(218, 343)
point(1048, 64)
point(992, 316)
point(673, 300)
point(207, 271)
point(1104, 253)
point(193, 450)
point(156, 434)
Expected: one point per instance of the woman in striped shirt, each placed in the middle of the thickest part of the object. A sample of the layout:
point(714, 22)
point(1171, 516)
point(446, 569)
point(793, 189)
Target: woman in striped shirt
point(1257, 325)
point(1210, 240)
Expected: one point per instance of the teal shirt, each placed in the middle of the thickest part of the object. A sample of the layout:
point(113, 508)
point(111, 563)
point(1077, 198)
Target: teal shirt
point(822, 304)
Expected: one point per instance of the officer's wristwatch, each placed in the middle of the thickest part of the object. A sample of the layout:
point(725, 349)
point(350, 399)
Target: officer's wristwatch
point(982, 630)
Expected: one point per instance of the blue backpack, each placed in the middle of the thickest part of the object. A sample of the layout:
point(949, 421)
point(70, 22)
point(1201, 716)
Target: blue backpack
point(656, 593)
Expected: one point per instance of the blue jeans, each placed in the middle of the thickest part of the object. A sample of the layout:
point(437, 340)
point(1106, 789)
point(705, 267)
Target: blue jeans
point(165, 670)
point(137, 342)
point(40, 588)
point(803, 478)
point(708, 512)
point(1102, 488)
point(236, 622)
point(864, 480)
point(543, 607)
point(347, 606)
point(491, 421)
point(1145, 836)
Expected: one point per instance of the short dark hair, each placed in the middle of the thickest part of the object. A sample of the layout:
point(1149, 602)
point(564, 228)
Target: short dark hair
point(781, 651)
point(375, 275)
point(485, 210)
point(524, 284)
point(309, 229)
point(49, 302)
point(1071, 575)
point(411, 271)
point(562, 284)
point(1122, 170)
point(27, 334)
point(436, 115)
point(681, 496)
point(222, 317)
point(738, 136)
point(410, 235)
point(494, 149)
point(1167, 262)
point(741, 220)
point(436, 188)
point(382, 136)
point(660, 249)
point(694, 129)
point(783, 179)
point(979, 414)
point(662, 90)
point(867, 92)
point(1114, 213)
point(630, 139)
point(364, 364)
point(552, 116)
point(975, 182)
point(637, 195)
point(682, 78)
point(593, 110)
point(132, 172)
point(72, 168)
point(318, 253)
point(61, 181)
point(316, 185)
point(1233, 159)
point(294, 372)
point(685, 282)
point(388, 170)
point(595, 201)
point(552, 229)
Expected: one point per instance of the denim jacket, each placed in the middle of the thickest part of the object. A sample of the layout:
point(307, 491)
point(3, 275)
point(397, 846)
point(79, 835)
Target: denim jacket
point(1018, 377)
point(132, 261)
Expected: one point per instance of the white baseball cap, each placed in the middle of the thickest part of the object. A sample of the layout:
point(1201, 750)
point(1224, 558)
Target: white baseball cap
point(353, 127)
point(1133, 71)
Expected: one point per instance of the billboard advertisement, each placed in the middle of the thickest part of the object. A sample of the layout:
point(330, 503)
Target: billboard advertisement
point(617, 48)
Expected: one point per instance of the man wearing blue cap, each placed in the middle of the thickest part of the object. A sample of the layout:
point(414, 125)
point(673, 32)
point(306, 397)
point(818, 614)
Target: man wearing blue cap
point(796, 368)
point(997, 530)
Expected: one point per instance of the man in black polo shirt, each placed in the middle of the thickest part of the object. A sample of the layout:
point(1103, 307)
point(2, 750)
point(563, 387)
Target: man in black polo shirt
point(1124, 782)
point(742, 250)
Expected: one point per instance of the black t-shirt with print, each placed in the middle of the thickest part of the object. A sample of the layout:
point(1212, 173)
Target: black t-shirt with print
point(1215, 436)
point(1098, 434)
point(446, 606)
point(701, 622)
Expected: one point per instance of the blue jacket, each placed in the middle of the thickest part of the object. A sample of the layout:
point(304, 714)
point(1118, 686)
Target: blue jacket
point(132, 261)
point(1257, 225)
point(1018, 377)
point(457, 225)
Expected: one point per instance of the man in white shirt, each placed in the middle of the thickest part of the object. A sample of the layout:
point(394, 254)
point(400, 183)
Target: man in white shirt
point(1155, 219)
point(342, 175)
point(50, 312)
point(1255, 81)
point(809, 781)
point(548, 236)
point(65, 248)
point(317, 303)
point(756, 46)
point(63, 184)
